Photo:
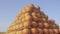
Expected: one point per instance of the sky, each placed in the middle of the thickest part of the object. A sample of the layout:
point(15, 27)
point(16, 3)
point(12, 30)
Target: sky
point(10, 8)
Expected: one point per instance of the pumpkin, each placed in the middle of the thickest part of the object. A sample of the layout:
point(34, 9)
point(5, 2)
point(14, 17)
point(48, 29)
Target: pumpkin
point(46, 25)
point(29, 8)
point(22, 16)
point(36, 14)
point(51, 21)
point(16, 27)
point(24, 10)
point(51, 26)
point(21, 26)
point(26, 31)
point(56, 31)
point(42, 13)
point(40, 25)
point(31, 20)
point(34, 24)
point(38, 8)
point(45, 31)
point(27, 24)
point(55, 26)
point(28, 18)
point(20, 32)
point(20, 13)
point(51, 31)
point(44, 19)
point(40, 31)
point(35, 18)
point(23, 20)
point(34, 31)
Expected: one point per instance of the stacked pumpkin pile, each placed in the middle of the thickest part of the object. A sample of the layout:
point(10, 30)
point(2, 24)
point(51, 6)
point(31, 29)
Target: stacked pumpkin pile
point(31, 20)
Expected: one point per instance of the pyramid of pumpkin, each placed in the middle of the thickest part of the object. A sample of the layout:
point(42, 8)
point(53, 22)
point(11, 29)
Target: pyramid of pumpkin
point(31, 20)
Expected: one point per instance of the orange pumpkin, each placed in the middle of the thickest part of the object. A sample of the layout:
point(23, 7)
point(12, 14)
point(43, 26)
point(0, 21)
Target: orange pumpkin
point(51, 31)
point(59, 31)
point(44, 19)
point(40, 25)
point(38, 15)
point(29, 8)
point(26, 31)
point(24, 10)
point(27, 24)
point(56, 31)
point(16, 26)
point(42, 13)
point(45, 31)
point(51, 26)
point(40, 31)
point(28, 18)
point(20, 13)
point(23, 20)
point(55, 26)
point(19, 32)
point(51, 21)
point(34, 14)
point(38, 8)
point(34, 31)
point(35, 18)
point(46, 25)
point(22, 16)
point(21, 26)
point(34, 24)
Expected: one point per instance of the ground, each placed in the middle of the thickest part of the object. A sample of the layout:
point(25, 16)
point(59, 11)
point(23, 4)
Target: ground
point(2, 32)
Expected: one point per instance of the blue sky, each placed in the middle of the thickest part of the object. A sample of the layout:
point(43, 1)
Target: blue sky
point(10, 8)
